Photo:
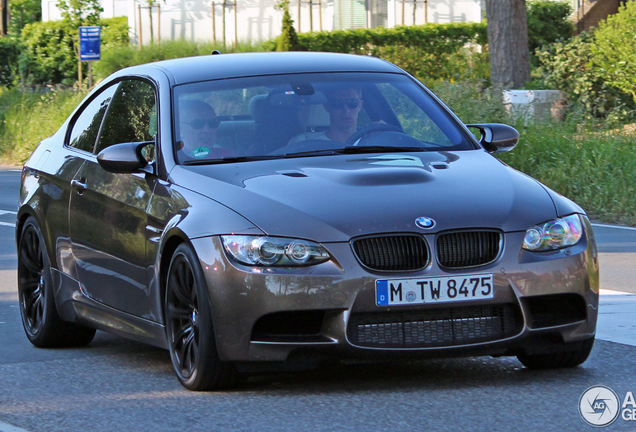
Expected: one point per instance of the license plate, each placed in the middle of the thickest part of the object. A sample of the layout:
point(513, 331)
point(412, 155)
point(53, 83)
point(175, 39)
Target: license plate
point(390, 292)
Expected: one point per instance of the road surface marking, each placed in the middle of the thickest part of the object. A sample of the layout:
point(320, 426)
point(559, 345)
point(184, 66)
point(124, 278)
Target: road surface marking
point(6, 427)
point(616, 321)
point(613, 226)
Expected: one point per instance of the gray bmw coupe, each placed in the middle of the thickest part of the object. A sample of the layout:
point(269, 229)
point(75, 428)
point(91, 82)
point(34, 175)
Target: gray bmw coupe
point(244, 210)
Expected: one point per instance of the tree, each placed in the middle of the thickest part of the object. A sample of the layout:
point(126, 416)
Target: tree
point(288, 40)
point(508, 42)
point(80, 12)
point(614, 49)
point(24, 12)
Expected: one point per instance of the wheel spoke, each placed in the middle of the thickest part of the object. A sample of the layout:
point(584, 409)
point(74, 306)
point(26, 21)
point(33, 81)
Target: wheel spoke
point(27, 261)
point(179, 313)
point(34, 311)
point(193, 291)
point(35, 295)
point(189, 359)
point(182, 332)
point(180, 288)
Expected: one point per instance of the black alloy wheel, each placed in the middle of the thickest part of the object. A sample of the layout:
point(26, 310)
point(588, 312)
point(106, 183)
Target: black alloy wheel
point(40, 319)
point(189, 327)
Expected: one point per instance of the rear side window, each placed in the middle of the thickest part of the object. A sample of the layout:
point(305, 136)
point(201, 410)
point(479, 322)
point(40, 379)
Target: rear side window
point(86, 127)
point(131, 116)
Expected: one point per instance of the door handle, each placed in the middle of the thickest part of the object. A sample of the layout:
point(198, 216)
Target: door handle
point(79, 185)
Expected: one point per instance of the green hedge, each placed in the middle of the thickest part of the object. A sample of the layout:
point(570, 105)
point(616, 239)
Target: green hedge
point(431, 52)
point(49, 52)
point(434, 38)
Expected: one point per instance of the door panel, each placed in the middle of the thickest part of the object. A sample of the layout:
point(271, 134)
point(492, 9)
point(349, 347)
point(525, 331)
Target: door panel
point(108, 211)
point(108, 230)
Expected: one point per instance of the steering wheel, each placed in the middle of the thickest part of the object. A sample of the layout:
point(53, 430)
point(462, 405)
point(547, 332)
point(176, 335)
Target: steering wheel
point(372, 128)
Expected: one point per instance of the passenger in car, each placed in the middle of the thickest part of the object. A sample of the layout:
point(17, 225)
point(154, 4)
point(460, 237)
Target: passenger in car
point(343, 106)
point(198, 126)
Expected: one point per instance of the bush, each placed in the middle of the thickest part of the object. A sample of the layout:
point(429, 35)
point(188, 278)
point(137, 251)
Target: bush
point(567, 66)
point(9, 54)
point(614, 49)
point(473, 101)
point(116, 57)
point(49, 53)
point(548, 22)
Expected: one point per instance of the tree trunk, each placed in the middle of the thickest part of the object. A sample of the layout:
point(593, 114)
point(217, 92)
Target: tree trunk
point(508, 43)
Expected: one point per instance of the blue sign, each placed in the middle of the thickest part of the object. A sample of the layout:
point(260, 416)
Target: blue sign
point(90, 43)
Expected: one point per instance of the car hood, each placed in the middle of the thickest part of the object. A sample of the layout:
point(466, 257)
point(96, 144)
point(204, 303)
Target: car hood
point(335, 198)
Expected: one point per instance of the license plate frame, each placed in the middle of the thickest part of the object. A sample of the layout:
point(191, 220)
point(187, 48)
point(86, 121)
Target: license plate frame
point(429, 290)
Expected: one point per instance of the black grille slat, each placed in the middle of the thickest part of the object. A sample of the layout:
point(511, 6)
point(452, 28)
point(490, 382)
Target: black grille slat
point(392, 253)
point(468, 249)
point(431, 328)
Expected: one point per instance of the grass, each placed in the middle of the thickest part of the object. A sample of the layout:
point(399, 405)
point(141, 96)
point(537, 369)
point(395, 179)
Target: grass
point(28, 117)
point(594, 166)
point(595, 169)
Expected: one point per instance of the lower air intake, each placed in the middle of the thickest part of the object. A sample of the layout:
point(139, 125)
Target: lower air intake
point(432, 328)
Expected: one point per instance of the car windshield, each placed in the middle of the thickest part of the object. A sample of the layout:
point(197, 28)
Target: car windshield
point(302, 115)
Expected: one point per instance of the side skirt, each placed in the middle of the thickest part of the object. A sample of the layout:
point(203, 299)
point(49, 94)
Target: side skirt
point(75, 306)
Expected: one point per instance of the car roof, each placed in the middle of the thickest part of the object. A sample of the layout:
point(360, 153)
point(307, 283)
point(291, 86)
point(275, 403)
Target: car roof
point(203, 68)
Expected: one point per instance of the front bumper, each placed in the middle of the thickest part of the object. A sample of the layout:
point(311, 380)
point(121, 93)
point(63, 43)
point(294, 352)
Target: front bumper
point(543, 301)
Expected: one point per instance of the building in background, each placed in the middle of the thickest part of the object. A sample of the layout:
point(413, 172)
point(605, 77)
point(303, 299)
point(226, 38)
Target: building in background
point(258, 20)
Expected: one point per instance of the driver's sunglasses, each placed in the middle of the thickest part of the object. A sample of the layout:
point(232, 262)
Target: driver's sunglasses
point(337, 104)
point(199, 123)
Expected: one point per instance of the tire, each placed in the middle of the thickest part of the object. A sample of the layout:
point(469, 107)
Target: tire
point(41, 322)
point(189, 328)
point(564, 359)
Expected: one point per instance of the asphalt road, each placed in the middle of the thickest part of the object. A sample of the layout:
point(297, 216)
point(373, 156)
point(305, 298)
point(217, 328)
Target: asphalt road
point(118, 385)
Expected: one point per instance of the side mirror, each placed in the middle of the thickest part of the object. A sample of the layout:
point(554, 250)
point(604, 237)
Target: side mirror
point(497, 138)
point(124, 158)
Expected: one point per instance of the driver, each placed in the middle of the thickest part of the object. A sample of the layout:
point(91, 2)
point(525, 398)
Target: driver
point(343, 106)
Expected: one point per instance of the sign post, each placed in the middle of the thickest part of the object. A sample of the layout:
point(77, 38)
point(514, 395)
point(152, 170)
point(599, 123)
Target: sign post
point(89, 49)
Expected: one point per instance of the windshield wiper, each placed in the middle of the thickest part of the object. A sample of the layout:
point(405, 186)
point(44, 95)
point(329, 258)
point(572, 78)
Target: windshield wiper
point(378, 149)
point(355, 150)
point(325, 152)
point(231, 159)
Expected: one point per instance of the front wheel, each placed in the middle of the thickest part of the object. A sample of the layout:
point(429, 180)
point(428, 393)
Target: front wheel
point(566, 359)
point(189, 327)
point(40, 319)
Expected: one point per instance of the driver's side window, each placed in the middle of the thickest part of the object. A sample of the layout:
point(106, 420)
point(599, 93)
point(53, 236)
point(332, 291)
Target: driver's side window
point(131, 116)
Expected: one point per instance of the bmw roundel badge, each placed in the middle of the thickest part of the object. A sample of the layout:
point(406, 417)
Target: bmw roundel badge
point(424, 222)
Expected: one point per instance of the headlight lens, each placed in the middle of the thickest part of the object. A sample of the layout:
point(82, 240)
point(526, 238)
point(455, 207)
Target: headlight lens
point(274, 251)
point(556, 234)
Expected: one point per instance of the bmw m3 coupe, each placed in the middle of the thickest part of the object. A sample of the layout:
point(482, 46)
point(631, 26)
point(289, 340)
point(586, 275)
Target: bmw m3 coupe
point(244, 210)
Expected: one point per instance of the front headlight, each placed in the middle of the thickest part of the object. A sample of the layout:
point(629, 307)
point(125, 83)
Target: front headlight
point(556, 234)
point(274, 251)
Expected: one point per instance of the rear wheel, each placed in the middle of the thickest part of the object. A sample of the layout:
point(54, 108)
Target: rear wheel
point(566, 359)
point(189, 327)
point(40, 319)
